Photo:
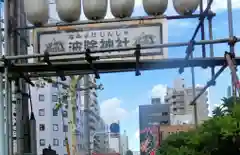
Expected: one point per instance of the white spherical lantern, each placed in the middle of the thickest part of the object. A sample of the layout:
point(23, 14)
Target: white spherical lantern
point(95, 9)
point(155, 7)
point(68, 10)
point(37, 11)
point(122, 8)
point(185, 7)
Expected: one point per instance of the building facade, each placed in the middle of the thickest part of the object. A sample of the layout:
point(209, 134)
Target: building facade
point(179, 98)
point(150, 118)
point(172, 129)
point(52, 125)
point(124, 143)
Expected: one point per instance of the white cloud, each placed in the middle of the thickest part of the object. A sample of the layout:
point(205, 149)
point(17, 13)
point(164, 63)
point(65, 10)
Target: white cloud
point(159, 91)
point(219, 5)
point(111, 110)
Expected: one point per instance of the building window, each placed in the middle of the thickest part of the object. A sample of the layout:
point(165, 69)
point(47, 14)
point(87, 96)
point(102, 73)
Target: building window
point(41, 127)
point(55, 142)
point(41, 97)
point(41, 112)
point(54, 98)
point(55, 127)
point(42, 142)
point(65, 113)
point(165, 114)
point(65, 128)
point(66, 106)
point(54, 85)
point(64, 142)
point(55, 112)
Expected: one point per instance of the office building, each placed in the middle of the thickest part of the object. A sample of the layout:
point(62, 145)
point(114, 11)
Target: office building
point(124, 143)
point(229, 91)
point(103, 136)
point(155, 114)
point(118, 144)
point(179, 98)
point(52, 125)
point(151, 117)
point(156, 100)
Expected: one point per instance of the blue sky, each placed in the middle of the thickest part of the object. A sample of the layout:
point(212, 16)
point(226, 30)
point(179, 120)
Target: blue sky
point(124, 92)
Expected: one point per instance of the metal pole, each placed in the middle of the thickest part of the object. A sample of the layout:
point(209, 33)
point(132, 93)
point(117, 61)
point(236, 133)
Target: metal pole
point(230, 28)
point(62, 24)
point(86, 112)
point(202, 30)
point(195, 112)
point(209, 83)
point(178, 44)
point(6, 52)
point(2, 115)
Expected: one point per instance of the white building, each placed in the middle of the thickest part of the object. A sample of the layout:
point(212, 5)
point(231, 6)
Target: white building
point(91, 114)
point(124, 143)
point(102, 136)
point(179, 97)
point(52, 125)
point(119, 144)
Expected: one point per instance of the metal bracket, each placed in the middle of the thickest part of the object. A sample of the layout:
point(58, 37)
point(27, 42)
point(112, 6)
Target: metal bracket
point(232, 41)
point(90, 60)
point(58, 72)
point(8, 64)
point(189, 51)
point(137, 55)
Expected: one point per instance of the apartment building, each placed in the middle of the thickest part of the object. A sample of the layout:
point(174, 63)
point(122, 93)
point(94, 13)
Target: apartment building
point(52, 125)
point(102, 136)
point(92, 122)
point(179, 98)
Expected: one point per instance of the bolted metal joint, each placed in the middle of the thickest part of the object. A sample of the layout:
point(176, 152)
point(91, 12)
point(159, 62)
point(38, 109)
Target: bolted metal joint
point(232, 41)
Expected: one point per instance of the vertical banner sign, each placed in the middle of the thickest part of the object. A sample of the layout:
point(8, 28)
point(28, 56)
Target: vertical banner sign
point(149, 140)
point(14, 126)
point(103, 36)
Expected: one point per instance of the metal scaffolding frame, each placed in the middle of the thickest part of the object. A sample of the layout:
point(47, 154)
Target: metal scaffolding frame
point(14, 65)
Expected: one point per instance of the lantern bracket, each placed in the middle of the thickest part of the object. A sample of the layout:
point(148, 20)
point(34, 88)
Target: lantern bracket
point(8, 64)
point(58, 72)
point(137, 56)
point(90, 60)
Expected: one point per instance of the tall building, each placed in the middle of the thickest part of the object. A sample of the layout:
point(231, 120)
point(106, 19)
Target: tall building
point(151, 117)
point(118, 144)
point(102, 135)
point(91, 114)
point(156, 100)
point(53, 126)
point(179, 98)
point(229, 91)
point(124, 143)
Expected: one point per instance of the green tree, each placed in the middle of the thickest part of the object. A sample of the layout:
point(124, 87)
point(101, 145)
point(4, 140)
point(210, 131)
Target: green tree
point(218, 111)
point(217, 136)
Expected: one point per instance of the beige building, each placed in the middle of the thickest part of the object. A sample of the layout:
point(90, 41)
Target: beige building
point(171, 129)
point(179, 98)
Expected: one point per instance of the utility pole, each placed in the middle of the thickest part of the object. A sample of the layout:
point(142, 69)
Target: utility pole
point(86, 112)
point(2, 115)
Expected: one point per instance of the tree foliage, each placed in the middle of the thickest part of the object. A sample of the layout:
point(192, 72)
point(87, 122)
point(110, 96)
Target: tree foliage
point(219, 135)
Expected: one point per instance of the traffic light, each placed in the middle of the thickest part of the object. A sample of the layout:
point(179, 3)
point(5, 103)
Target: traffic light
point(49, 151)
